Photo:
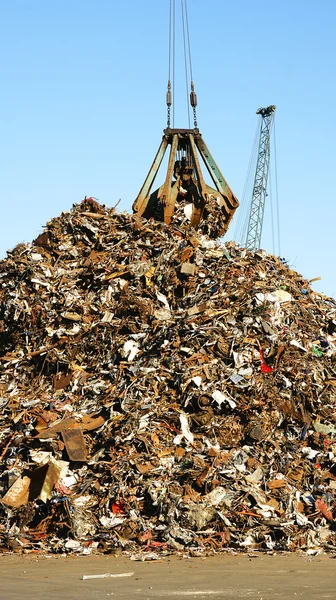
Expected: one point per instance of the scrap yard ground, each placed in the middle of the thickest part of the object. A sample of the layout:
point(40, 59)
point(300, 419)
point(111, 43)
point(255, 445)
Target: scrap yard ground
point(262, 577)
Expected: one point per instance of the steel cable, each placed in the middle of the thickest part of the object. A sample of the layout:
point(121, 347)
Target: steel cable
point(170, 40)
point(171, 64)
point(276, 190)
point(185, 57)
point(193, 99)
point(272, 210)
point(188, 37)
point(243, 210)
point(173, 78)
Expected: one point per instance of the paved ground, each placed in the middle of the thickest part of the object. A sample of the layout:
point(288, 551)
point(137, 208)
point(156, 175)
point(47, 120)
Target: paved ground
point(223, 577)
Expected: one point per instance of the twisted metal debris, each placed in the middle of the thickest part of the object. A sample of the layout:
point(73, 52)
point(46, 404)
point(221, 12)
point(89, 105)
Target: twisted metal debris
point(161, 392)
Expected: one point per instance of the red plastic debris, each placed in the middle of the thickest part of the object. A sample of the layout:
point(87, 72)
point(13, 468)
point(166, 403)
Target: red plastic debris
point(264, 368)
point(117, 509)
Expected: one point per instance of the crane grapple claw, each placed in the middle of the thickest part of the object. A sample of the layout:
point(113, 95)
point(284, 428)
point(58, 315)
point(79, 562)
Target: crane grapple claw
point(184, 182)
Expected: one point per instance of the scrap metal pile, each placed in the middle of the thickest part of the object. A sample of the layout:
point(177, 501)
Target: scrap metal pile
point(161, 392)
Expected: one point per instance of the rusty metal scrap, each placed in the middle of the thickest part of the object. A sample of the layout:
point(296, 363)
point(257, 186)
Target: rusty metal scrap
point(162, 391)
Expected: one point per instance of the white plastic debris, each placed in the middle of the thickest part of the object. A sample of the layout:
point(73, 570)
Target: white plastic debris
point(162, 298)
point(188, 209)
point(309, 452)
point(130, 350)
point(73, 545)
point(279, 296)
point(107, 575)
point(298, 345)
point(221, 398)
point(186, 433)
point(110, 522)
point(217, 497)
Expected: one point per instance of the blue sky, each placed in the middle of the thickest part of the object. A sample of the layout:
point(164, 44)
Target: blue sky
point(83, 107)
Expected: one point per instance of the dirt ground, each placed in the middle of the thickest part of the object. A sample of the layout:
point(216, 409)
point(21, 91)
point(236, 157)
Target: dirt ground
point(231, 577)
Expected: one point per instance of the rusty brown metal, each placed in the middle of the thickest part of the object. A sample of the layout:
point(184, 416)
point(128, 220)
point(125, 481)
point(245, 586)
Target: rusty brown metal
point(229, 202)
point(200, 202)
point(168, 193)
point(18, 493)
point(140, 203)
point(61, 380)
point(74, 444)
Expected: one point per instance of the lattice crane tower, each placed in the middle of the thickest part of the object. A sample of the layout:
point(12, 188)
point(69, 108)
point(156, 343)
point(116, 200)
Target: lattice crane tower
point(256, 216)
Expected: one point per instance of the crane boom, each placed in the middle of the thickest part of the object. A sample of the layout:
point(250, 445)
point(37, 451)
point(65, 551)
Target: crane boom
point(256, 216)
